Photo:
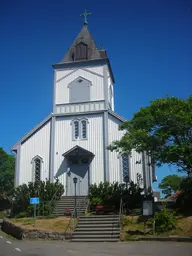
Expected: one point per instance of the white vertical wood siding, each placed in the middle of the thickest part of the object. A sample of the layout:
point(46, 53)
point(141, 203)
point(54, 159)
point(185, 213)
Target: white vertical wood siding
point(115, 171)
point(80, 107)
point(96, 69)
point(135, 165)
point(62, 90)
point(63, 73)
point(94, 143)
point(37, 144)
point(114, 160)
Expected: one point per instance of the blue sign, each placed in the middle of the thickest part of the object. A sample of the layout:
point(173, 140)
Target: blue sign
point(34, 200)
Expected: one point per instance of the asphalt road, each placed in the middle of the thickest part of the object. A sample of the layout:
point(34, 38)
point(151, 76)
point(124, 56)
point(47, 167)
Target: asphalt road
point(10, 247)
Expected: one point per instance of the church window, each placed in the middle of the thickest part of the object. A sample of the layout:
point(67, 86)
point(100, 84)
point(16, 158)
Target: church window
point(79, 90)
point(76, 130)
point(79, 127)
point(37, 164)
point(81, 51)
point(125, 167)
point(83, 129)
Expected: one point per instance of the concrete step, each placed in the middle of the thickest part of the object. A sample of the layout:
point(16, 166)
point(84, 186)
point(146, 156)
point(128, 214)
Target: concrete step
point(62, 214)
point(103, 236)
point(97, 220)
point(94, 240)
point(71, 208)
point(101, 216)
point(97, 225)
point(100, 222)
point(73, 197)
point(68, 206)
point(70, 201)
point(97, 233)
point(96, 229)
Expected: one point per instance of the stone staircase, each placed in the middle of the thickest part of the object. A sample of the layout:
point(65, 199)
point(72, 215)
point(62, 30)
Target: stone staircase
point(69, 202)
point(98, 228)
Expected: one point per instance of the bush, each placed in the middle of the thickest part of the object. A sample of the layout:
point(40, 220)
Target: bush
point(110, 194)
point(44, 190)
point(21, 215)
point(164, 220)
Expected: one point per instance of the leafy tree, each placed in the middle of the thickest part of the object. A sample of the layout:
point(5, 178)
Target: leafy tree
point(170, 184)
point(163, 130)
point(7, 166)
point(184, 198)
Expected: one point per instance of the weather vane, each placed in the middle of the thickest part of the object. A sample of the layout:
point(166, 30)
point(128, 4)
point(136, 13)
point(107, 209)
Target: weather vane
point(85, 14)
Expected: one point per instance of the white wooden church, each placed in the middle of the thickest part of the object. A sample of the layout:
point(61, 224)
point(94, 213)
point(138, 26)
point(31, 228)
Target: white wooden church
point(72, 141)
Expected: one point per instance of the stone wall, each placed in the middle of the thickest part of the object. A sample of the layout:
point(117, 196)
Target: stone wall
point(12, 229)
point(32, 234)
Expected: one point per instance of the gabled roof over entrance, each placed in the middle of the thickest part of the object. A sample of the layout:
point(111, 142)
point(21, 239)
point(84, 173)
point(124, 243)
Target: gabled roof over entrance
point(77, 150)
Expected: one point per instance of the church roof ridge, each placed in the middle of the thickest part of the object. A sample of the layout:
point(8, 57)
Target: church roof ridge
point(38, 126)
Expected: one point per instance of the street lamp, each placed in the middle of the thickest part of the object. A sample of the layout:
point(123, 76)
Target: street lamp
point(75, 182)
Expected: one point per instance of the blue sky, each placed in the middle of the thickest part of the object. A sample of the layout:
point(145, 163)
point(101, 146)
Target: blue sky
point(148, 42)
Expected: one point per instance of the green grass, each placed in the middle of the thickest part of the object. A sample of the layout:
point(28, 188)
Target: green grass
point(2, 214)
point(133, 230)
point(59, 224)
point(6, 235)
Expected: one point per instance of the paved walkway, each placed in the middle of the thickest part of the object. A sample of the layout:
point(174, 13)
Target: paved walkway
point(10, 247)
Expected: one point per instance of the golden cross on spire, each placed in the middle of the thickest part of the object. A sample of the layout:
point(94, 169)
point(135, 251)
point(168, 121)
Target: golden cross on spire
point(85, 14)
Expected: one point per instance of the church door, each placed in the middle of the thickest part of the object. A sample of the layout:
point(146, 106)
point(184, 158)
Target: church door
point(79, 168)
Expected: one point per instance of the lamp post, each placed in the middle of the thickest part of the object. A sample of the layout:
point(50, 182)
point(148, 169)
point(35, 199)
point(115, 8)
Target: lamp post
point(126, 180)
point(75, 182)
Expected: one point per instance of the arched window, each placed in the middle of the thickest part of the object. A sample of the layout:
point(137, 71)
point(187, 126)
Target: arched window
point(76, 130)
point(125, 167)
point(83, 129)
point(79, 129)
point(81, 51)
point(37, 166)
point(37, 170)
point(79, 90)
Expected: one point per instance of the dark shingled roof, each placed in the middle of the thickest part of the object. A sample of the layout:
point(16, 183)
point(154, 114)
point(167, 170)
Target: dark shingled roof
point(85, 37)
point(93, 53)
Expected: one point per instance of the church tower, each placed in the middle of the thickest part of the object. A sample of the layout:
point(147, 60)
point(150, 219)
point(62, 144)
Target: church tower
point(83, 78)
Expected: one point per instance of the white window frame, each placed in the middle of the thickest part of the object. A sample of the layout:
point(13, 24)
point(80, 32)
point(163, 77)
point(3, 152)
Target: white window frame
point(34, 167)
point(122, 167)
point(80, 129)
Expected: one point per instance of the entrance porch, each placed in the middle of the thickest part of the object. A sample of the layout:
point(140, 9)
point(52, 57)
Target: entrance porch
point(78, 161)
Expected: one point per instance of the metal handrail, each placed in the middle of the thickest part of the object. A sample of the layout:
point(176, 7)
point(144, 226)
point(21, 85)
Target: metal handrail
point(120, 211)
point(72, 227)
point(54, 195)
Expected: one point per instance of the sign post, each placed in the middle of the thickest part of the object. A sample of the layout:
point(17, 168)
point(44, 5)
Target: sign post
point(34, 201)
point(148, 209)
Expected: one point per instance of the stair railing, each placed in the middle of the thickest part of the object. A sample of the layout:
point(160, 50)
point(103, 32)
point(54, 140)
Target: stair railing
point(72, 221)
point(120, 212)
point(53, 197)
point(85, 204)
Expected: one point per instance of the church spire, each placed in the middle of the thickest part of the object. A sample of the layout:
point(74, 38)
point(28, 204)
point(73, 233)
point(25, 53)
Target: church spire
point(85, 14)
point(83, 48)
